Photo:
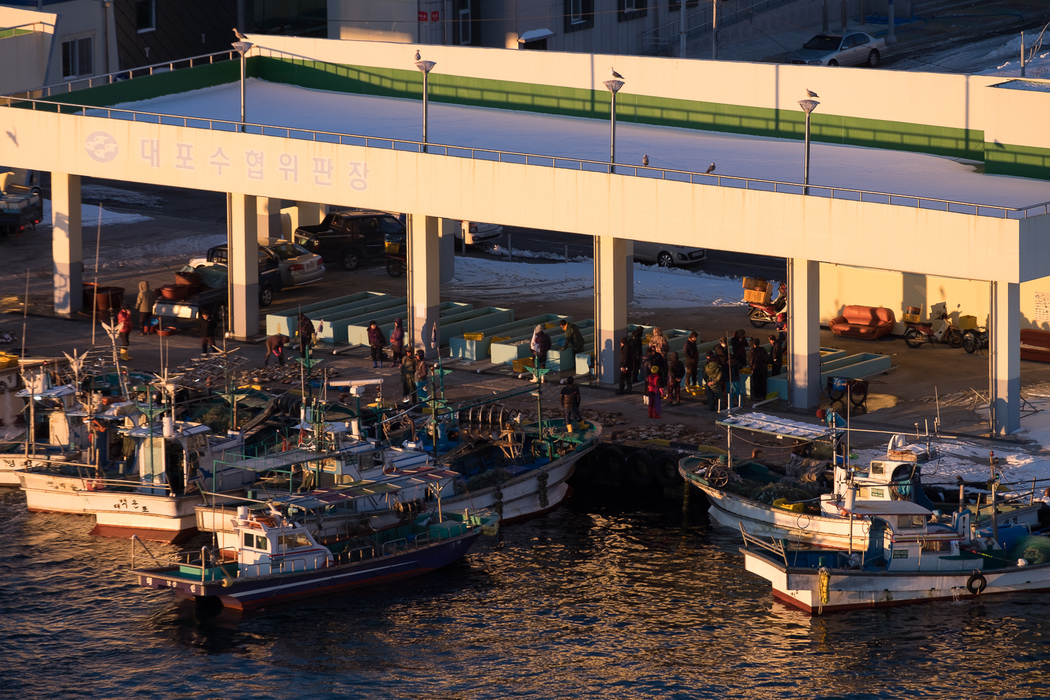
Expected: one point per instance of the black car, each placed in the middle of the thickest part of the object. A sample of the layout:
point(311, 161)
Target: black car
point(350, 238)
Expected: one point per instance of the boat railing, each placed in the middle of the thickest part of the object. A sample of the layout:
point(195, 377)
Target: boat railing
point(774, 546)
point(136, 542)
point(393, 546)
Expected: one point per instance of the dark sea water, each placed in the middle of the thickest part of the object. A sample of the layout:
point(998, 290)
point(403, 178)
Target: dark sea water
point(590, 601)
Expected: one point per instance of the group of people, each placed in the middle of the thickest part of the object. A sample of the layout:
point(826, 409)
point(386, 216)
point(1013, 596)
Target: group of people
point(572, 339)
point(725, 361)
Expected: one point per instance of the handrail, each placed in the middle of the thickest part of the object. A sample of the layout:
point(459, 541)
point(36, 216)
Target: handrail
point(551, 161)
point(774, 546)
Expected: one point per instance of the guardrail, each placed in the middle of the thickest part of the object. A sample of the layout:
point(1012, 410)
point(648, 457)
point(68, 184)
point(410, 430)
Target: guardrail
point(687, 176)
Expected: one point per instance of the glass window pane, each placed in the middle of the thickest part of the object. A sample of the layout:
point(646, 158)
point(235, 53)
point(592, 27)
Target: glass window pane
point(69, 59)
point(85, 60)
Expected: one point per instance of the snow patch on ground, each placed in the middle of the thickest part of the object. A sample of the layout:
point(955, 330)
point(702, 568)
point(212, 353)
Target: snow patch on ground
point(89, 216)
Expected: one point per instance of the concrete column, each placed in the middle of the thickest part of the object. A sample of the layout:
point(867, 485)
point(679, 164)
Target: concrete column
point(67, 247)
point(447, 245)
point(610, 303)
point(269, 218)
point(628, 251)
point(1004, 358)
point(424, 289)
point(803, 351)
point(244, 266)
point(310, 213)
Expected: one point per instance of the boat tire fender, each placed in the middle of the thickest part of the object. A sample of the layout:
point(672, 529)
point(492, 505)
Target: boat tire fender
point(666, 471)
point(640, 468)
point(976, 583)
point(612, 461)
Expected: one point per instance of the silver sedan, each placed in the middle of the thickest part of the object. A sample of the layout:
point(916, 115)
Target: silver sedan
point(850, 49)
point(298, 265)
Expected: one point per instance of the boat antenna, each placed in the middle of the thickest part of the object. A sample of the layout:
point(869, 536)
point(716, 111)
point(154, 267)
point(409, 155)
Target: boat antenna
point(94, 301)
point(25, 314)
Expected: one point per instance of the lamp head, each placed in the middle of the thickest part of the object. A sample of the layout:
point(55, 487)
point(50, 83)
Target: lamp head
point(808, 105)
point(613, 86)
point(425, 66)
point(242, 47)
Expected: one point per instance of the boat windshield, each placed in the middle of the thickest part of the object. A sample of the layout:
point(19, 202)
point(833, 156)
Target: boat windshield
point(913, 521)
point(294, 541)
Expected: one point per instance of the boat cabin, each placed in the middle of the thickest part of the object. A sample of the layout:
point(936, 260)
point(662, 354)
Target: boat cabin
point(269, 543)
point(177, 458)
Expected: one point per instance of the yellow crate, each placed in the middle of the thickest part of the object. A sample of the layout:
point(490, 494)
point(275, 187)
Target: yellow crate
point(793, 507)
point(911, 318)
point(756, 283)
point(914, 310)
point(521, 363)
point(500, 338)
point(756, 296)
point(474, 336)
point(967, 323)
point(549, 325)
point(8, 360)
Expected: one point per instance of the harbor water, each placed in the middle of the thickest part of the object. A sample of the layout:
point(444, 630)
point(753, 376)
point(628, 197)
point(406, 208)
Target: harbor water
point(592, 600)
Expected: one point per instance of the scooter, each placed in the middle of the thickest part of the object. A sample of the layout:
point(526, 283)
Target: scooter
point(762, 315)
point(975, 339)
point(919, 333)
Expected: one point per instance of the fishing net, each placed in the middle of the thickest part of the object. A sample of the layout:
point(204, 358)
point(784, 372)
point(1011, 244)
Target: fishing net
point(1033, 549)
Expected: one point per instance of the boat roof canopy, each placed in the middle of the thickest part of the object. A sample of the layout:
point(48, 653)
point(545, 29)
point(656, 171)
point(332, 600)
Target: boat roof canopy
point(773, 425)
point(884, 508)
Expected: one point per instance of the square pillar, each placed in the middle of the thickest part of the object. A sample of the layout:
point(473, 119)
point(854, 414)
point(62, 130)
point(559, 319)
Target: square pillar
point(803, 346)
point(610, 306)
point(67, 246)
point(447, 246)
point(269, 219)
point(424, 288)
point(1004, 358)
point(628, 252)
point(243, 266)
point(310, 213)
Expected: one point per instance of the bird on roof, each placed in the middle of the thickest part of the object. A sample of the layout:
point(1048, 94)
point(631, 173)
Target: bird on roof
point(417, 54)
point(613, 73)
point(710, 169)
point(811, 93)
point(240, 37)
point(645, 161)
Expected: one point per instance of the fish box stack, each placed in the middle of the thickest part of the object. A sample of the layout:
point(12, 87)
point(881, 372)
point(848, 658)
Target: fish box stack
point(757, 290)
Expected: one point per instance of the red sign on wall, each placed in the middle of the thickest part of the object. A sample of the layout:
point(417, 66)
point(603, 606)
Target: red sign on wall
point(422, 16)
point(434, 16)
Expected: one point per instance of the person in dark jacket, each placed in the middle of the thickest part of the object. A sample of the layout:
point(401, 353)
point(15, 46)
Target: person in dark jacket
point(408, 376)
point(397, 343)
point(570, 403)
point(422, 375)
point(675, 374)
point(628, 361)
point(573, 338)
point(306, 335)
point(776, 354)
point(759, 371)
point(540, 346)
point(692, 358)
point(713, 380)
point(653, 392)
point(207, 323)
point(376, 341)
point(636, 347)
point(275, 348)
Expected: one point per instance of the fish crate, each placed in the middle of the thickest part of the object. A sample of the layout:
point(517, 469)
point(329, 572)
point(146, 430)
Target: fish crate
point(757, 296)
point(967, 323)
point(756, 283)
point(915, 310)
point(520, 364)
point(474, 336)
point(911, 318)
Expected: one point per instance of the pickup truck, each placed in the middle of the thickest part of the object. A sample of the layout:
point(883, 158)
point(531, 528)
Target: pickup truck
point(213, 291)
point(19, 209)
point(350, 237)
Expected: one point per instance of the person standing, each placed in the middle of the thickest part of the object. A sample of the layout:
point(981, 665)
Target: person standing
point(776, 354)
point(408, 377)
point(675, 374)
point(627, 365)
point(658, 341)
point(737, 360)
point(636, 349)
point(540, 345)
point(570, 403)
point(144, 305)
point(376, 341)
point(397, 342)
point(124, 331)
point(759, 368)
point(275, 348)
point(652, 388)
point(692, 358)
point(306, 335)
point(573, 338)
point(713, 380)
point(207, 322)
point(422, 374)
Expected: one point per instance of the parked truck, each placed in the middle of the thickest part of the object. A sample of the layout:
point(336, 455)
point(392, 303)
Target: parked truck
point(205, 287)
point(21, 203)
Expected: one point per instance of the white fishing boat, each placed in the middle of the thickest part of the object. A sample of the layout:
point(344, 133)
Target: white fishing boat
point(905, 555)
point(744, 492)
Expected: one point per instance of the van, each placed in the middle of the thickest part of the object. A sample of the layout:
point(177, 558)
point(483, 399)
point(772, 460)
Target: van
point(667, 255)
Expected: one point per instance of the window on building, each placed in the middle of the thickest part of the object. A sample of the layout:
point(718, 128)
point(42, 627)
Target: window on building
point(78, 57)
point(579, 14)
point(145, 15)
point(631, 9)
point(464, 27)
point(674, 5)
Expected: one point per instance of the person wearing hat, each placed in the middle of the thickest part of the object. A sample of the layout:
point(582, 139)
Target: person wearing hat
point(422, 374)
point(570, 403)
point(653, 391)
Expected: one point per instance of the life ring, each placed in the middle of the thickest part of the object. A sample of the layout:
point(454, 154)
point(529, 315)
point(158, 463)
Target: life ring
point(976, 583)
point(389, 469)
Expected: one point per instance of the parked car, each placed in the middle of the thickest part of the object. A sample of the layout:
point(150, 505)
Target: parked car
point(349, 238)
point(271, 279)
point(298, 265)
point(667, 255)
point(472, 233)
point(850, 49)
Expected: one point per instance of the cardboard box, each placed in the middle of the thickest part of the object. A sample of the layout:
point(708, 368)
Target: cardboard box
point(756, 283)
point(911, 318)
point(967, 323)
point(756, 296)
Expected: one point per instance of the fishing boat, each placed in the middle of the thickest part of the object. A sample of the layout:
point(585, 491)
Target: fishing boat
point(277, 559)
point(814, 511)
point(905, 555)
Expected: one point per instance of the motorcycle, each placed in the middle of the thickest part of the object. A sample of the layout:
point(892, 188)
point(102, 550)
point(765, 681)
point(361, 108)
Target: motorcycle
point(762, 315)
point(975, 339)
point(919, 333)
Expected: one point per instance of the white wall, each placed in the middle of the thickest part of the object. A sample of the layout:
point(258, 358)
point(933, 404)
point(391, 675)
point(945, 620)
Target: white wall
point(24, 57)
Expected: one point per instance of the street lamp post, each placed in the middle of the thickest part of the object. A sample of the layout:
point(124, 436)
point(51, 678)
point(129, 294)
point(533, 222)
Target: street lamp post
point(807, 106)
point(242, 47)
point(614, 87)
point(425, 67)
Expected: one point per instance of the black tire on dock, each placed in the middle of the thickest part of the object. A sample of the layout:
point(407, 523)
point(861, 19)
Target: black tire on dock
point(640, 468)
point(587, 464)
point(666, 471)
point(611, 463)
